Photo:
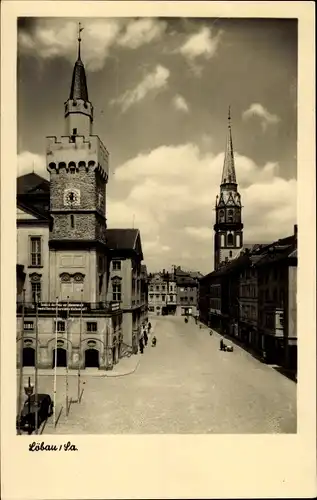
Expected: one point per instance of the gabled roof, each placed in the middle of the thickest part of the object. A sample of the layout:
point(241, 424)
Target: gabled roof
point(37, 211)
point(124, 239)
point(32, 183)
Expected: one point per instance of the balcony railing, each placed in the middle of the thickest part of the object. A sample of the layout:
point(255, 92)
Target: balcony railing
point(71, 307)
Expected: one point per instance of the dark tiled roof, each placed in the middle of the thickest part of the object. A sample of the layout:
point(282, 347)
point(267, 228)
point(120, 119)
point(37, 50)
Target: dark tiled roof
point(36, 210)
point(31, 183)
point(122, 239)
point(78, 88)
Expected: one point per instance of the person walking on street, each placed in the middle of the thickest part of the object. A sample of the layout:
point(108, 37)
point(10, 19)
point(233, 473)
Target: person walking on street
point(145, 337)
point(149, 326)
point(141, 345)
point(221, 345)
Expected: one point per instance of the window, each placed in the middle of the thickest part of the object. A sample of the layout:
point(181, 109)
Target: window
point(151, 296)
point(61, 326)
point(163, 298)
point(116, 292)
point(91, 326)
point(72, 221)
point(116, 266)
point(230, 239)
point(171, 298)
point(151, 308)
point(163, 288)
point(36, 291)
point(158, 307)
point(74, 131)
point(157, 288)
point(191, 299)
point(29, 325)
point(36, 259)
point(157, 296)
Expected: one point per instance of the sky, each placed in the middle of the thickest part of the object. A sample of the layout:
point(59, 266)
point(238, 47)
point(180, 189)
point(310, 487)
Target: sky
point(161, 88)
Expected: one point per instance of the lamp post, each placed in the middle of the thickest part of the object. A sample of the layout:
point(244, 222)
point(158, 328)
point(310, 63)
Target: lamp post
point(29, 391)
point(21, 358)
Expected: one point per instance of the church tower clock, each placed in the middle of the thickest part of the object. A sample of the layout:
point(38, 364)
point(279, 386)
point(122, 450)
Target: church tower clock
point(228, 227)
point(78, 167)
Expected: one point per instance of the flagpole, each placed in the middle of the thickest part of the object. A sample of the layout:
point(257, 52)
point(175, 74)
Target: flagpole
point(79, 351)
point(55, 361)
point(36, 362)
point(67, 356)
point(21, 359)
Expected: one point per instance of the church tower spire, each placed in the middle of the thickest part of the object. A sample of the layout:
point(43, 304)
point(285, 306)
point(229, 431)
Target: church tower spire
point(228, 172)
point(228, 227)
point(78, 108)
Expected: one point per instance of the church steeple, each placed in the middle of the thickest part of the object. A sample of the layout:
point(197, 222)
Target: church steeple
point(228, 227)
point(78, 108)
point(228, 172)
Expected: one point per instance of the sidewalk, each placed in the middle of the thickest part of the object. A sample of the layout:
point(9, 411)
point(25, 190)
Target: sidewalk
point(127, 366)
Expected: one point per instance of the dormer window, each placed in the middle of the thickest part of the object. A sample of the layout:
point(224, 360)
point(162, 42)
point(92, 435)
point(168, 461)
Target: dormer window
point(74, 131)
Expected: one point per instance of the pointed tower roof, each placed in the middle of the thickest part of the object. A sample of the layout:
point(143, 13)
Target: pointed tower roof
point(78, 88)
point(228, 172)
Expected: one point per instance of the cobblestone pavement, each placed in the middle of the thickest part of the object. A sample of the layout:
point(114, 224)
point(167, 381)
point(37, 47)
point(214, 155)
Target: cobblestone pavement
point(183, 385)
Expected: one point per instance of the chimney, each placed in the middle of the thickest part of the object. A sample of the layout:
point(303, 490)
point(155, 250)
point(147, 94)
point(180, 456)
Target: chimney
point(295, 230)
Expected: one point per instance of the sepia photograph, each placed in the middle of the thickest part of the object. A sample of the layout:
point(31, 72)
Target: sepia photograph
point(157, 225)
point(157, 173)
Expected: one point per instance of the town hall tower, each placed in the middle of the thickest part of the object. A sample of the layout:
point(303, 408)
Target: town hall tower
point(78, 167)
point(228, 227)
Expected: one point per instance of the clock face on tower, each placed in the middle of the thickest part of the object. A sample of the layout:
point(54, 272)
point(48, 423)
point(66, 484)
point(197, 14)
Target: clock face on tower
point(71, 197)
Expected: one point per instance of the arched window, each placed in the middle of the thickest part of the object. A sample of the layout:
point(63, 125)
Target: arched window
point(230, 215)
point(230, 239)
point(221, 215)
point(222, 240)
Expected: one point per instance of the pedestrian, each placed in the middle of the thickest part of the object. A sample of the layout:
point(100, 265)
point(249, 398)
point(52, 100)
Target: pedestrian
point(221, 345)
point(210, 333)
point(145, 337)
point(149, 326)
point(154, 342)
point(141, 345)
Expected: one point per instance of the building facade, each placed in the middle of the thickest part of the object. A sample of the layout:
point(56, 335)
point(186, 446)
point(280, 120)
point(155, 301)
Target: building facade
point(69, 287)
point(228, 239)
point(126, 282)
point(277, 301)
point(187, 292)
point(158, 290)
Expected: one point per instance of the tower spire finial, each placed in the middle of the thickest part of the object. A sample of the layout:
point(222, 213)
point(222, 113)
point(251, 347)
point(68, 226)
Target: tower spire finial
point(80, 29)
point(229, 116)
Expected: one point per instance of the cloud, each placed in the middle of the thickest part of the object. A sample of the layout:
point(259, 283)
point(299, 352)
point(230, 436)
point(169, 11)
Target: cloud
point(180, 104)
point(172, 191)
point(141, 32)
point(156, 80)
point(257, 110)
point(50, 38)
point(201, 44)
point(170, 195)
point(29, 162)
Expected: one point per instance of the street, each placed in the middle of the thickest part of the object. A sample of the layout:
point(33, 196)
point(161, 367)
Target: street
point(183, 385)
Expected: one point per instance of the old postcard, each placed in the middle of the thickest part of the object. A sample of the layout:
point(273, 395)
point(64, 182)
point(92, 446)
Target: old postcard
point(157, 187)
